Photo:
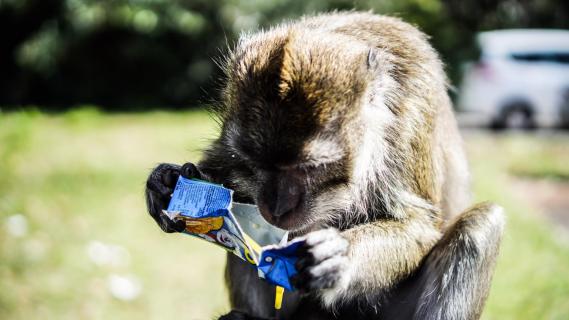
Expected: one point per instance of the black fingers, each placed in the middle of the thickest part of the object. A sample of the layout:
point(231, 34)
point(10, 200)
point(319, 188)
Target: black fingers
point(303, 279)
point(162, 179)
point(190, 171)
point(156, 203)
point(170, 226)
point(159, 188)
point(322, 259)
point(170, 177)
point(306, 260)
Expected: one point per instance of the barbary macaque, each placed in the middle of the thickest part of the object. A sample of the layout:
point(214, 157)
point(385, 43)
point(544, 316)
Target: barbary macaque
point(339, 128)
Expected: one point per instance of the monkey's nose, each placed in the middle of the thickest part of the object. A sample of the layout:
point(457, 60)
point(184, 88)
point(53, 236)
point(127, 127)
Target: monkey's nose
point(288, 197)
point(281, 196)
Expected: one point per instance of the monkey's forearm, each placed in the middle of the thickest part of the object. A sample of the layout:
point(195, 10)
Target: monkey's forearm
point(381, 253)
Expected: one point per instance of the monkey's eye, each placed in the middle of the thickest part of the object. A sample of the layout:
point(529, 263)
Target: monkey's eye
point(305, 167)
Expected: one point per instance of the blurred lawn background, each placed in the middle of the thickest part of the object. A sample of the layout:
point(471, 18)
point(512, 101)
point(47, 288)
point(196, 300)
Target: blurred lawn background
point(76, 242)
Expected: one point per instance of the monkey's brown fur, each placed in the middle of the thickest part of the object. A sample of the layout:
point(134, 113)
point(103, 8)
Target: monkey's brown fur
point(342, 121)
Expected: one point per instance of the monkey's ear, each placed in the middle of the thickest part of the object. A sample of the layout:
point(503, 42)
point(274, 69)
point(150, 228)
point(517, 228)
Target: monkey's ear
point(373, 58)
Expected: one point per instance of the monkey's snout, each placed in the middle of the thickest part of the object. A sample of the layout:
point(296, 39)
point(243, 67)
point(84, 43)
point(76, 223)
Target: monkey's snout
point(287, 200)
point(281, 198)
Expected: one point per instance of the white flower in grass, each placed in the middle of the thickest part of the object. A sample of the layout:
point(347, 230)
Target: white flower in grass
point(126, 288)
point(17, 225)
point(103, 254)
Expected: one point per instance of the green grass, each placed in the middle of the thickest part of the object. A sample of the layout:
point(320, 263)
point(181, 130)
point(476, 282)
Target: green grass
point(79, 177)
point(542, 156)
point(532, 275)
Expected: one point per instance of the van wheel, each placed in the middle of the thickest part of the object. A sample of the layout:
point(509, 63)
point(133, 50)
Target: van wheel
point(518, 116)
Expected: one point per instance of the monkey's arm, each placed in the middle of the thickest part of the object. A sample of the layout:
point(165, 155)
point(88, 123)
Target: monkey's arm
point(383, 252)
point(375, 256)
point(451, 280)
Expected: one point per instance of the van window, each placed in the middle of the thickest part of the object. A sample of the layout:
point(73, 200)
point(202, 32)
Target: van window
point(554, 57)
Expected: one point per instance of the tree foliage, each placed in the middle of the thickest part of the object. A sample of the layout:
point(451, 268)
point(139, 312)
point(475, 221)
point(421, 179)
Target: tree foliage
point(133, 54)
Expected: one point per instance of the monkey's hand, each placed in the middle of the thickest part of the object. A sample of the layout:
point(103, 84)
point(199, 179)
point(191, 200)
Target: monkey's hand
point(322, 260)
point(159, 188)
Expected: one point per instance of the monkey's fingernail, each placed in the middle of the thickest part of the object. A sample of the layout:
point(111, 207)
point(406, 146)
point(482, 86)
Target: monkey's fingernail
point(157, 187)
point(180, 226)
point(170, 178)
point(166, 224)
point(189, 171)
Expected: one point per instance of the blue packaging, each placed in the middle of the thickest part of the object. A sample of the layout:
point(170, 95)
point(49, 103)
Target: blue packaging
point(277, 263)
point(210, 214)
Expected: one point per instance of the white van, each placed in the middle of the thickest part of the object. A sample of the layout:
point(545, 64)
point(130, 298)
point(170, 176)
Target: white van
point(521, 79)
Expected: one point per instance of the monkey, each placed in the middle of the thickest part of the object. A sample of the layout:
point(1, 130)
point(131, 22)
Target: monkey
point(340, 129)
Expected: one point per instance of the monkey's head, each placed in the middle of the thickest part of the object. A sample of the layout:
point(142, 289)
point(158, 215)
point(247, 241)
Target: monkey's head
point(291, 124)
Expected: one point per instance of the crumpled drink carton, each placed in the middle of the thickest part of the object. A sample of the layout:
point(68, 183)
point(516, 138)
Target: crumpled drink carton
point(210, 214)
